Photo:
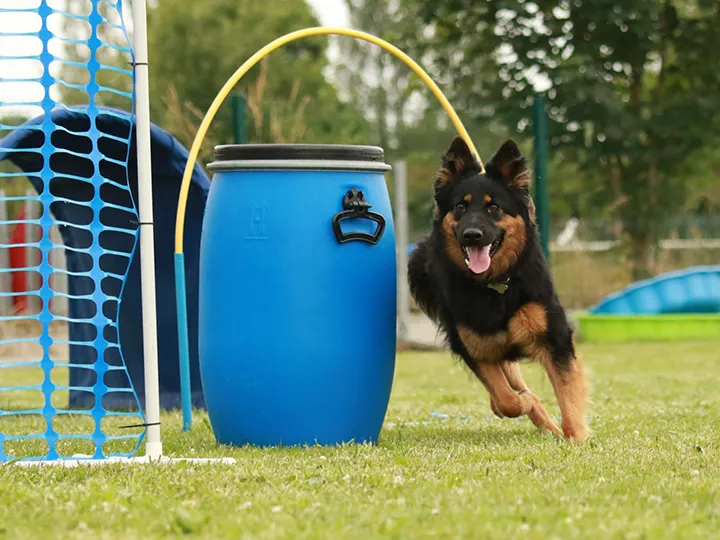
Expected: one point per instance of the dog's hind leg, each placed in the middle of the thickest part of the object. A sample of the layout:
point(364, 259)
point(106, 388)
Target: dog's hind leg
point(538, 414)
point(568, 380)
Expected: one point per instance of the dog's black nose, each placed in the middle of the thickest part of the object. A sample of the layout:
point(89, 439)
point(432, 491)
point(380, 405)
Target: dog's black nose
point(472, 234)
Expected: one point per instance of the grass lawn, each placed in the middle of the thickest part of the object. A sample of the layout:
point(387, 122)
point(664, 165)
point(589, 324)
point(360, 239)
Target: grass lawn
point(445, 467)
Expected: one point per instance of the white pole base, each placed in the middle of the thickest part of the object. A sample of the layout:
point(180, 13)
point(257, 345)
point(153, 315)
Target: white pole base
point(153, 450)
point(114, 460)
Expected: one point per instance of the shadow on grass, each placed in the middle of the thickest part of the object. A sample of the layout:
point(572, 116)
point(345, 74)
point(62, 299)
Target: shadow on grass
point(438, 436)
point(447, 436)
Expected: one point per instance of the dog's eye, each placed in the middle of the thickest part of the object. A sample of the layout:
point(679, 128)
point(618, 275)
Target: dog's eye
point(460, 208)
point(494, 211)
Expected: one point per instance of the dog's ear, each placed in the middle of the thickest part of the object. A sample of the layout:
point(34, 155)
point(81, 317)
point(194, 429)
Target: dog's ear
point(457, 158)
point(509, 163)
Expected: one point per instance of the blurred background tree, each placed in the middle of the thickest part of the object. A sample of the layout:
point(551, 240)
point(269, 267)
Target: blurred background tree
point(404, 117)
point(195, 46)
point(633, 96)
point(382, 87)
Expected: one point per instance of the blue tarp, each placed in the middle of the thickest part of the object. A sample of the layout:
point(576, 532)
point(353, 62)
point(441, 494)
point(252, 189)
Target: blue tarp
point(69, 134)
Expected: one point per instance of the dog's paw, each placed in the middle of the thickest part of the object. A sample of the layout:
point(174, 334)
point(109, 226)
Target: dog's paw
point(575, 433)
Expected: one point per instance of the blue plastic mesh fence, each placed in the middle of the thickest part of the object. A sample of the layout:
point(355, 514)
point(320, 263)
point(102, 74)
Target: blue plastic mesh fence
point(68, 229)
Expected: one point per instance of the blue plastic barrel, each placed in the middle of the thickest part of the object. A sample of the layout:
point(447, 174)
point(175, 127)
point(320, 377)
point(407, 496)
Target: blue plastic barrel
point(297, 321)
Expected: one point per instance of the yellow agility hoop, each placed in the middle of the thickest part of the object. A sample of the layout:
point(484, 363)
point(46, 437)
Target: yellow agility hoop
point(259, 55)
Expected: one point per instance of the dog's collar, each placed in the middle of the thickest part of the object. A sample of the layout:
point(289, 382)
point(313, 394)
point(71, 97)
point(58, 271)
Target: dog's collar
point(500, 286)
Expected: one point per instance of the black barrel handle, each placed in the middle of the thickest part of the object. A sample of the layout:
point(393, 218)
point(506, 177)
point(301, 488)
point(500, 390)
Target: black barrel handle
point(355, 206)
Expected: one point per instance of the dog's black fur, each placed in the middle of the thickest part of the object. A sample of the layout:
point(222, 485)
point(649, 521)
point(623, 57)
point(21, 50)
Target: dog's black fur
point(474, 209)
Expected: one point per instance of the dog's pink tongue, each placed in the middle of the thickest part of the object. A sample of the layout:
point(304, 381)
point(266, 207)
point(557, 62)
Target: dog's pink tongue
point(479, 259)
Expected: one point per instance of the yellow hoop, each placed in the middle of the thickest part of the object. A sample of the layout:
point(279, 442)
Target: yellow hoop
point(259, 55)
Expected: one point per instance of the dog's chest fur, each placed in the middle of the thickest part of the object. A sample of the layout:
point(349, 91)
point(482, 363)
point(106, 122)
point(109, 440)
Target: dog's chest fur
point(481, 316)
point(481, 307)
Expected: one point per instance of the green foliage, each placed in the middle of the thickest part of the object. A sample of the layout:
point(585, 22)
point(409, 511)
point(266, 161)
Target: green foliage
point(196, 46)
point(376, 82)
point(633, 91)
point(406, 119)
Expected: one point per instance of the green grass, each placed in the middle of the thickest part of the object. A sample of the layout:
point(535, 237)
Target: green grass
point(651, 469)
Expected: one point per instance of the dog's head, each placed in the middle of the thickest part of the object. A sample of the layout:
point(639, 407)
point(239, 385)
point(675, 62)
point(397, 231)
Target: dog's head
point(485, 217)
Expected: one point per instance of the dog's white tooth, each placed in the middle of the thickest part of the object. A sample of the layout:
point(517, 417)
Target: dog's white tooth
point(467, 262)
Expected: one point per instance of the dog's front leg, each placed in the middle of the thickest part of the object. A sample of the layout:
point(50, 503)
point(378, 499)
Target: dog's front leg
point(506, 402)
point(509, 395)
point(484, 355)
point(538, 414)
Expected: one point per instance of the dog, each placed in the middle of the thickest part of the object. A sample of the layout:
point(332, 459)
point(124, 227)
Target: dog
point(482, 277)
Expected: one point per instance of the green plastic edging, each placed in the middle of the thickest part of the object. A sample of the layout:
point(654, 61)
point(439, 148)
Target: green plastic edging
point(625, 328)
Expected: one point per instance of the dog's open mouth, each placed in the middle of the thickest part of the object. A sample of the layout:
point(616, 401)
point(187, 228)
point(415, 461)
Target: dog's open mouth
point(478, 259)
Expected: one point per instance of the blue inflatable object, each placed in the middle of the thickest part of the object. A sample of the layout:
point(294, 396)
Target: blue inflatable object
point(297, 295)
point(168, 162)
point(693, 290)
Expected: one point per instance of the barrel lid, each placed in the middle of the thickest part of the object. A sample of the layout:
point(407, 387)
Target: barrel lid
point(329, 152)
point(273, 156)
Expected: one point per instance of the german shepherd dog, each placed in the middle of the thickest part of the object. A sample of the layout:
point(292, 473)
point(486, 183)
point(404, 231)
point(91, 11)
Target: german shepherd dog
point(481, 276)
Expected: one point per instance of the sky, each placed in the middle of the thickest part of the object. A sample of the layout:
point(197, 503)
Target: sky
point(329, 12)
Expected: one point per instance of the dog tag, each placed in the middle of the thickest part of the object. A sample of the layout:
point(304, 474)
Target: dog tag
point(500, 288)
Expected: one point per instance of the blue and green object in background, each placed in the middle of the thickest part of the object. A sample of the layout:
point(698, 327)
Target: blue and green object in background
point(682, 305)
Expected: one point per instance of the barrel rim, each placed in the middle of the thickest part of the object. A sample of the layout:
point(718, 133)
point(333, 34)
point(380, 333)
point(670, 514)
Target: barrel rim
point(297, 164)
point(298, 152)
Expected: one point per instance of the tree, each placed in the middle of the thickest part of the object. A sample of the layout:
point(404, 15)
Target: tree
point(196, 46)
point(633, 91)
point(375, 81)
point(404, 115)
point(406, 118)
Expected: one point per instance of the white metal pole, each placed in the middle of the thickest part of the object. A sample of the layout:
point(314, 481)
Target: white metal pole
point(153, 445)
point(401, 225)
